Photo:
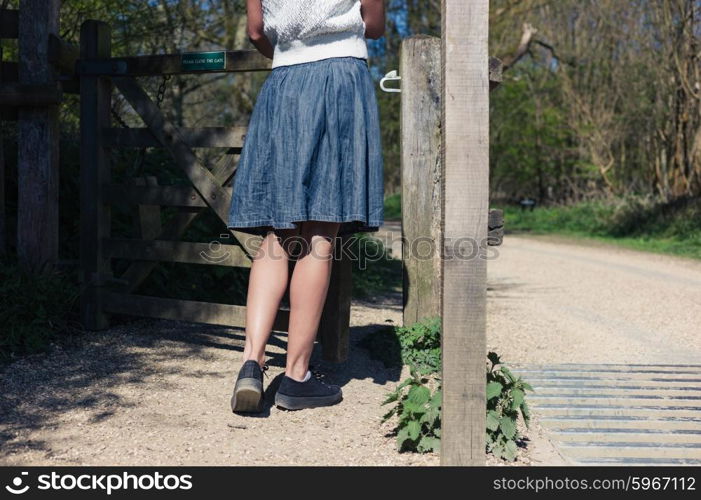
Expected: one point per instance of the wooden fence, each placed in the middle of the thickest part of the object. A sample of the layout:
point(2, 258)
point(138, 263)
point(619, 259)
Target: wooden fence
point(209, 190)
point(30, 92)
point(445, 187)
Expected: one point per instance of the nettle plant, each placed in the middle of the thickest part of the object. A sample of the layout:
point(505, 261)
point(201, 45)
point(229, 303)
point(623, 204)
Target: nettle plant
point(506, 395)
point(417, 400)
point(421, 345)
point(418, 408)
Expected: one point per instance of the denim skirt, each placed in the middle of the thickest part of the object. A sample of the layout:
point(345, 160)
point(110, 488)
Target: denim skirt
point(312, 151)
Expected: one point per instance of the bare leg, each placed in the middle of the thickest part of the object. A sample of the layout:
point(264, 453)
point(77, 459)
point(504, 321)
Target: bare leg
point(308, 288)
point(266, 286)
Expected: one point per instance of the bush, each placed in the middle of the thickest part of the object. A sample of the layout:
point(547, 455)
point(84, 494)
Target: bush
point(34, 308)
point(640, 222)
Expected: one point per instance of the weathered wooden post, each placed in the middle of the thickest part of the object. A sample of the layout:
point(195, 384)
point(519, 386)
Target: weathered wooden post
point(3, 224)
point(465, 162)
point(334, 327)
point(422, 175)
point(95, 102)
point(420, 68)
point(38, 136)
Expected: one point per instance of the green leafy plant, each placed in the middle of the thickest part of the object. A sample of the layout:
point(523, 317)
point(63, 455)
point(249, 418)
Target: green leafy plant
point(506, 398)
point(417, 346)
point(417, 400)
point(419, 413)
point(35, 308)
point(421, 345)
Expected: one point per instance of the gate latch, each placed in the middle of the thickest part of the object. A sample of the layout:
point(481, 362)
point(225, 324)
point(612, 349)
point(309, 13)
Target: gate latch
point(392, 75)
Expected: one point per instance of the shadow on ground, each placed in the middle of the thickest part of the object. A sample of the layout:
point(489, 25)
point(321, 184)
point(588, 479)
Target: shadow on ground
point(36, 392)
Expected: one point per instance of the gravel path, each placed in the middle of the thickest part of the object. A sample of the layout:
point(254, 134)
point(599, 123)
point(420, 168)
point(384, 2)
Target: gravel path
point(553, 300)
point(601, 332)
point(157, 393)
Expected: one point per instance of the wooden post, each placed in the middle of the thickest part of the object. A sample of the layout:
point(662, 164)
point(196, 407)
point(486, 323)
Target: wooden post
point(95, 102)
point(334, 327)
point(421, 175)
point(465, 161)
point(38, 136)
point(3, 223)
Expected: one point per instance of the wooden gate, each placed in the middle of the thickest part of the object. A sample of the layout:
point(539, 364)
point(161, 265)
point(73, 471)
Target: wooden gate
point(210, 190)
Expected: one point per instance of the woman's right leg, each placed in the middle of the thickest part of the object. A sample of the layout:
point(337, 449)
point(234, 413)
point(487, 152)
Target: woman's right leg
point(266, 286)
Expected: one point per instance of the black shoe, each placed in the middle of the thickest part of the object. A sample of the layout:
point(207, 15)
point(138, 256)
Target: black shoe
point(294, 395)
point(248, 391)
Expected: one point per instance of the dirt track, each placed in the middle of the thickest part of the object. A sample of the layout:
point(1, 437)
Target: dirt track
point(554, 300)
point(156, 392)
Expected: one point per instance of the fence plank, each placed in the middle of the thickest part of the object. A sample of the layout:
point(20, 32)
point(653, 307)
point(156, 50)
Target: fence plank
point(95, 41)
point(170, 64)
point(184, 310)
point(465, 159)
point(176, 251)
point(170, 138)
point(148, 215)
point(3, 221)
point(205, 137)
point(169, 196)
point(38, 139)
point(63, 55)
point(13, 94)
point(421, 176)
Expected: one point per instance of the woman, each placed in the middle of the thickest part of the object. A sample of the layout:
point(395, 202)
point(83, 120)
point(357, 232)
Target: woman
point(310, 170)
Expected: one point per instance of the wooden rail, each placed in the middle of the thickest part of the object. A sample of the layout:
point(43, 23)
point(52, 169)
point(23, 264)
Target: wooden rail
point(183, 310)
point(169, 64)
point(206, 137)
point(63, 55)
point(33, 95)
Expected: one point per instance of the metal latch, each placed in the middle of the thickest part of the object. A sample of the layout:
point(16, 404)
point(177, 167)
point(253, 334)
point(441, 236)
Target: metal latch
point(392, 75)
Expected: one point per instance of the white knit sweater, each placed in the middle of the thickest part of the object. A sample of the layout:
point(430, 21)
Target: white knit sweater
point(310, 30)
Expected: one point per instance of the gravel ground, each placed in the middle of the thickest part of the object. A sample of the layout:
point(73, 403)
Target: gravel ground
point(157, 393)
point(554, 300)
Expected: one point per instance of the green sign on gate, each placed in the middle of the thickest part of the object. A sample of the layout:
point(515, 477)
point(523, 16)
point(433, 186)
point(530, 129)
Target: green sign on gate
point(203, 61)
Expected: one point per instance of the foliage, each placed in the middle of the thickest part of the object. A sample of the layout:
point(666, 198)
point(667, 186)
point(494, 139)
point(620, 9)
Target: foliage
point(506, 398)
point(35, 308)
point(375, 271)
point(393, 207)
point(418, 409)
point(417, 400)
point(417, 346)
point(594, 106)
point(421, 345)
point(643, 223)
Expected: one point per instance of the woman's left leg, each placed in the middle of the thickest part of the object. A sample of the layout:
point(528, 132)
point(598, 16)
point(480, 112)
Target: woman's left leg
point(308, 289)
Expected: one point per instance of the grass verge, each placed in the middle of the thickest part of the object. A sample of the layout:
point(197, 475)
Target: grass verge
point(638, 223)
